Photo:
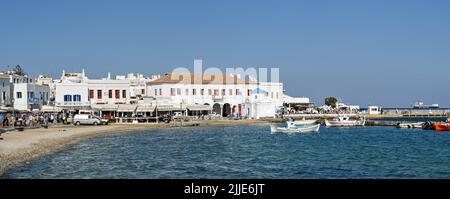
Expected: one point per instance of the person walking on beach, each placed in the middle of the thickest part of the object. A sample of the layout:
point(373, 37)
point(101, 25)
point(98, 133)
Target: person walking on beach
point(46, 118)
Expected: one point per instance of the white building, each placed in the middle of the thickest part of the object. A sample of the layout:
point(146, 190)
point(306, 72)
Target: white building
point(7, 81)
point(227, 95)
point(76, 91)
point(342, 106)
point(48, 81)
point(374, 110)
point(138, 86)
point(109, 91)
point(30, 96)
point(259, 105)
point(71, 91)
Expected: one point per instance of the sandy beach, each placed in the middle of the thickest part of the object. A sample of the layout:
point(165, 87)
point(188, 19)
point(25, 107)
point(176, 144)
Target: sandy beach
point(22, 147)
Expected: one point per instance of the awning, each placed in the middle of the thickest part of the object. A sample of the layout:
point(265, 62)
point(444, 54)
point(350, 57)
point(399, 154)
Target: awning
point(199, 107)
point(51, 109)
point(170, 108)
point(7, 109)
point(145, 109)
point(105, 107)
point(126, 108)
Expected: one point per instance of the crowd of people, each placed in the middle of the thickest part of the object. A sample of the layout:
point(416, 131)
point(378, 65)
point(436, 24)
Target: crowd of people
point(32, 120)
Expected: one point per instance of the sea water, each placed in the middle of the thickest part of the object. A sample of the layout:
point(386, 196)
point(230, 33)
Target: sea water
point(250, 152)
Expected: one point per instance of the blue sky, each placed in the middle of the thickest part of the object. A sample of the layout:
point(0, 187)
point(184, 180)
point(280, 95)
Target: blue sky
point(389, 53)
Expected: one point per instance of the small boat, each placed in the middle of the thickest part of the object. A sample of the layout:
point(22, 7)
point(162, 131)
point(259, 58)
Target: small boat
point(304, 122)
point(292, 128)
point(416, 125)
point(344, 121)
point(442, 126)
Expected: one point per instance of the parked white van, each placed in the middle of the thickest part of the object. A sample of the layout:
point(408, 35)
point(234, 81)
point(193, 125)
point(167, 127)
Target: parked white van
point(86, 119)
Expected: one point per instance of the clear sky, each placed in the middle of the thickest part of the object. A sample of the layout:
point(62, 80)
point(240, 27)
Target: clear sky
point(389, 53)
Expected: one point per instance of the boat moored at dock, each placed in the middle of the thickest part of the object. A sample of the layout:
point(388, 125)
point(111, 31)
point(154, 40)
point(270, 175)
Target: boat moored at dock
point(443, 126)
point(415, 125)
point(345, 121)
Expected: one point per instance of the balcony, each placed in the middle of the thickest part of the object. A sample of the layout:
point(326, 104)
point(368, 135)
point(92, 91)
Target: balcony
point(72, 104)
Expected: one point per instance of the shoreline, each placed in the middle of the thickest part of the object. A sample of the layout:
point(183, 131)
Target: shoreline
point(18, 148)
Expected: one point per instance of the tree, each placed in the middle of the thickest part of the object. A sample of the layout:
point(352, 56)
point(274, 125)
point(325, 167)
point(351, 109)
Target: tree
point(331, 101)
point(18, 70)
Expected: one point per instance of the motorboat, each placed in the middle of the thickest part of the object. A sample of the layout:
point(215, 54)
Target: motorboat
point(345, 121)
point(443, 126)
point(416, 125)
point(291, 127)
point(304, 122)
point(296, 129)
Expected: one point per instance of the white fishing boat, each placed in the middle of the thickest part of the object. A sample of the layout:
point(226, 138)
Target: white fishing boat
point(292, 128)
point(304, 122)
point(345, 121)
point(416, 125)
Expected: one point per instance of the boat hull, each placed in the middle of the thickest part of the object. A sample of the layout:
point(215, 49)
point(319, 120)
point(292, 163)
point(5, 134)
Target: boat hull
point(303, 129)
point(417, 125)
point(442, 126)
point(344, 123)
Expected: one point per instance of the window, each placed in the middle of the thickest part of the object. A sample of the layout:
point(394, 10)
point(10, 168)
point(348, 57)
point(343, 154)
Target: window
point(209, 92)
point(77, 98)
point(277, 94)
point(187, 91)
point(172, 92)
point(143, 91)
point(216, 91)
point(19, 95)
point(67, 98)
point(156, 92)
point(31, 95)
point(4, 96)
point(238, 92)
point(230, 92)
point(202, 92)
point(124, 94)
point(110, 94)
point(178, 91)
point(117, 94)
point(160, 91)
point(91, 94)
point(271, 95)
point(194, 91)
point(223, 92)
point(99, 94)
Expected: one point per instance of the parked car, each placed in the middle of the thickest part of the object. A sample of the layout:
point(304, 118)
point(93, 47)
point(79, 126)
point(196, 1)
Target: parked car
point(86, 119)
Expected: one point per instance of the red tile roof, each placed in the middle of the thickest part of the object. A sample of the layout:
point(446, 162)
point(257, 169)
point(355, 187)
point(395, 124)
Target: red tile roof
point(179, 78)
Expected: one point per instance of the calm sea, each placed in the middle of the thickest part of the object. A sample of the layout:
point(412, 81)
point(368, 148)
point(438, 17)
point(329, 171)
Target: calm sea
point(251, 152)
